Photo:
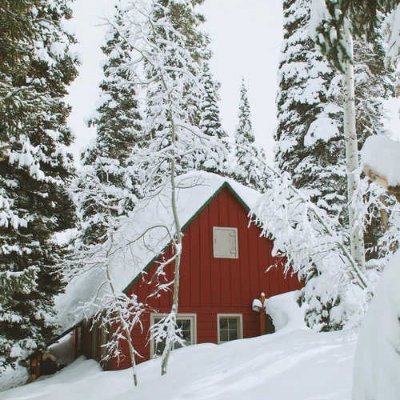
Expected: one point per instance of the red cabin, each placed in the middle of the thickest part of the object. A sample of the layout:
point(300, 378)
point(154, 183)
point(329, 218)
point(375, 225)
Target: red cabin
point(225, 266)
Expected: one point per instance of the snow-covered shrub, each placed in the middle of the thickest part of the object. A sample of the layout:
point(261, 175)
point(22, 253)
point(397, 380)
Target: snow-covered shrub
point(336, 290)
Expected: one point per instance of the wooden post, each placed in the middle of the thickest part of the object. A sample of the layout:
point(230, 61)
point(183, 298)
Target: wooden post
point(262, 314)
point(35, 366)
point(76, 342)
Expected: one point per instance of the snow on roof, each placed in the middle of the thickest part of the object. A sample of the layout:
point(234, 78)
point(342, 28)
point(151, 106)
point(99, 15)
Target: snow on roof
point(141, 238)
point(382, 156)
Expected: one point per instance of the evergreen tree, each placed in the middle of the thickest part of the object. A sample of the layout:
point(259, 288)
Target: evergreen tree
point(204, 110)
point(374, 81)
point(250, 164)
point(104, 190)
point(310, 133)
point(35, 70)
point(309, 142)
point(216, 160)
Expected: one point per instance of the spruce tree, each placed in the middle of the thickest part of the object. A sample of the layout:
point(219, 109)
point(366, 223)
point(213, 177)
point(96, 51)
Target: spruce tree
point(250, 163)
point(216, 160)
point(204, 110)
point(104, 189)
point(310, 132)
point(374, 81)
point(36, 68)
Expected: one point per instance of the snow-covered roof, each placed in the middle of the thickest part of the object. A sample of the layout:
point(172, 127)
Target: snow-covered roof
point(131, 250)
point(381, 155)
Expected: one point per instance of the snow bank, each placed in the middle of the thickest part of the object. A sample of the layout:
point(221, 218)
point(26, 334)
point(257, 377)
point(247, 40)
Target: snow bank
point(63, 350)
point(131, 251)
point(300, 365)
point(382, 156)
point(285, 311)
point(377, 362)
point(10, 378)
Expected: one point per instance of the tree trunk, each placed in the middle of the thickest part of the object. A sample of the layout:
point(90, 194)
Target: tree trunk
point(125, 327)
point(178, 251)
point(352, 159)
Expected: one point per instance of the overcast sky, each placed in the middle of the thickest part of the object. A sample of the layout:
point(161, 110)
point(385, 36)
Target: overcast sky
point(246, 39)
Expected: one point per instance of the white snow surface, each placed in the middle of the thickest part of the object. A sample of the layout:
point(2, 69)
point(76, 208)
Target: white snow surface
point(377, 362)
point(285, 312)
point(10, 378)
point(294, 363)
point(382, 155)
point(322, 128)
point(130, 252)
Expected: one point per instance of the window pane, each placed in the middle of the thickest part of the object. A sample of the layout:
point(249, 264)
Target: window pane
point(224, 335)
point(233, 335)
point(223, 323)
point(159, 348)
point(186, 331)
point(233, 324)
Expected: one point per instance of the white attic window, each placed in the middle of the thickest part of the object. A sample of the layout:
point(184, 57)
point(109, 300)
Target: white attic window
point(225, 242)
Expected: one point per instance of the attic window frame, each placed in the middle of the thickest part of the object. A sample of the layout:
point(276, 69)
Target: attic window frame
point(218, 255)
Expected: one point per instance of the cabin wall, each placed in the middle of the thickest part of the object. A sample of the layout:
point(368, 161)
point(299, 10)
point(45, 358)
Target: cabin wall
point(209, 286)
point(89, 340)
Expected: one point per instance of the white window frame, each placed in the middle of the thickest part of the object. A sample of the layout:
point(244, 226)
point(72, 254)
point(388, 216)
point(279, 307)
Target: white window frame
point(191, 316)
point(226, 228)
point(225, 315)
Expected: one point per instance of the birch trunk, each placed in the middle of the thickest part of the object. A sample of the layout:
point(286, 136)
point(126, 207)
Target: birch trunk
point(125, 327)
point(178, 251)
point(352, 159)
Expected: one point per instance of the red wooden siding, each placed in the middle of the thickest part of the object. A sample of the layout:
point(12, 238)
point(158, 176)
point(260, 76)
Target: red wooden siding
point(211, 286)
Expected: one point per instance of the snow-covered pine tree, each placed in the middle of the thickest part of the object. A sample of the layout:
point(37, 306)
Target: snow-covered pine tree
point(104, 189)
point(216, 160)
point(36, 68)
point(310, 132)
point(335, 26)
point(250, 162)
point(309, 135)
point(374, 82)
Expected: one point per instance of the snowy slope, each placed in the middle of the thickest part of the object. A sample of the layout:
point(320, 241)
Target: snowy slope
point(292, 364)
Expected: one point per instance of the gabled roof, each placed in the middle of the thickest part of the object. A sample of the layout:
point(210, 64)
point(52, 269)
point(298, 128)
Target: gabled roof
point(132, 251)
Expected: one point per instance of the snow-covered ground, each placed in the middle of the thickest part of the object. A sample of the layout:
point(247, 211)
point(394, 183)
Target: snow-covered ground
point(292, 364)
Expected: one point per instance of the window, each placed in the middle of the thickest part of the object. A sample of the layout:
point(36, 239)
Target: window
point(225, 242)
point(230, 327)
point(187, 325)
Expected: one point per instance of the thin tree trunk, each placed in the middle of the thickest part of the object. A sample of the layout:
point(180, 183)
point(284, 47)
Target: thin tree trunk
point(352, 162)
point(125, 327)
point(178, 251)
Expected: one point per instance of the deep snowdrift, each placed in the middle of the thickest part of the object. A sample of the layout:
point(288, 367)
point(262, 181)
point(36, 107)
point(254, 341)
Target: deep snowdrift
point(377, 364)
point(292, 364)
